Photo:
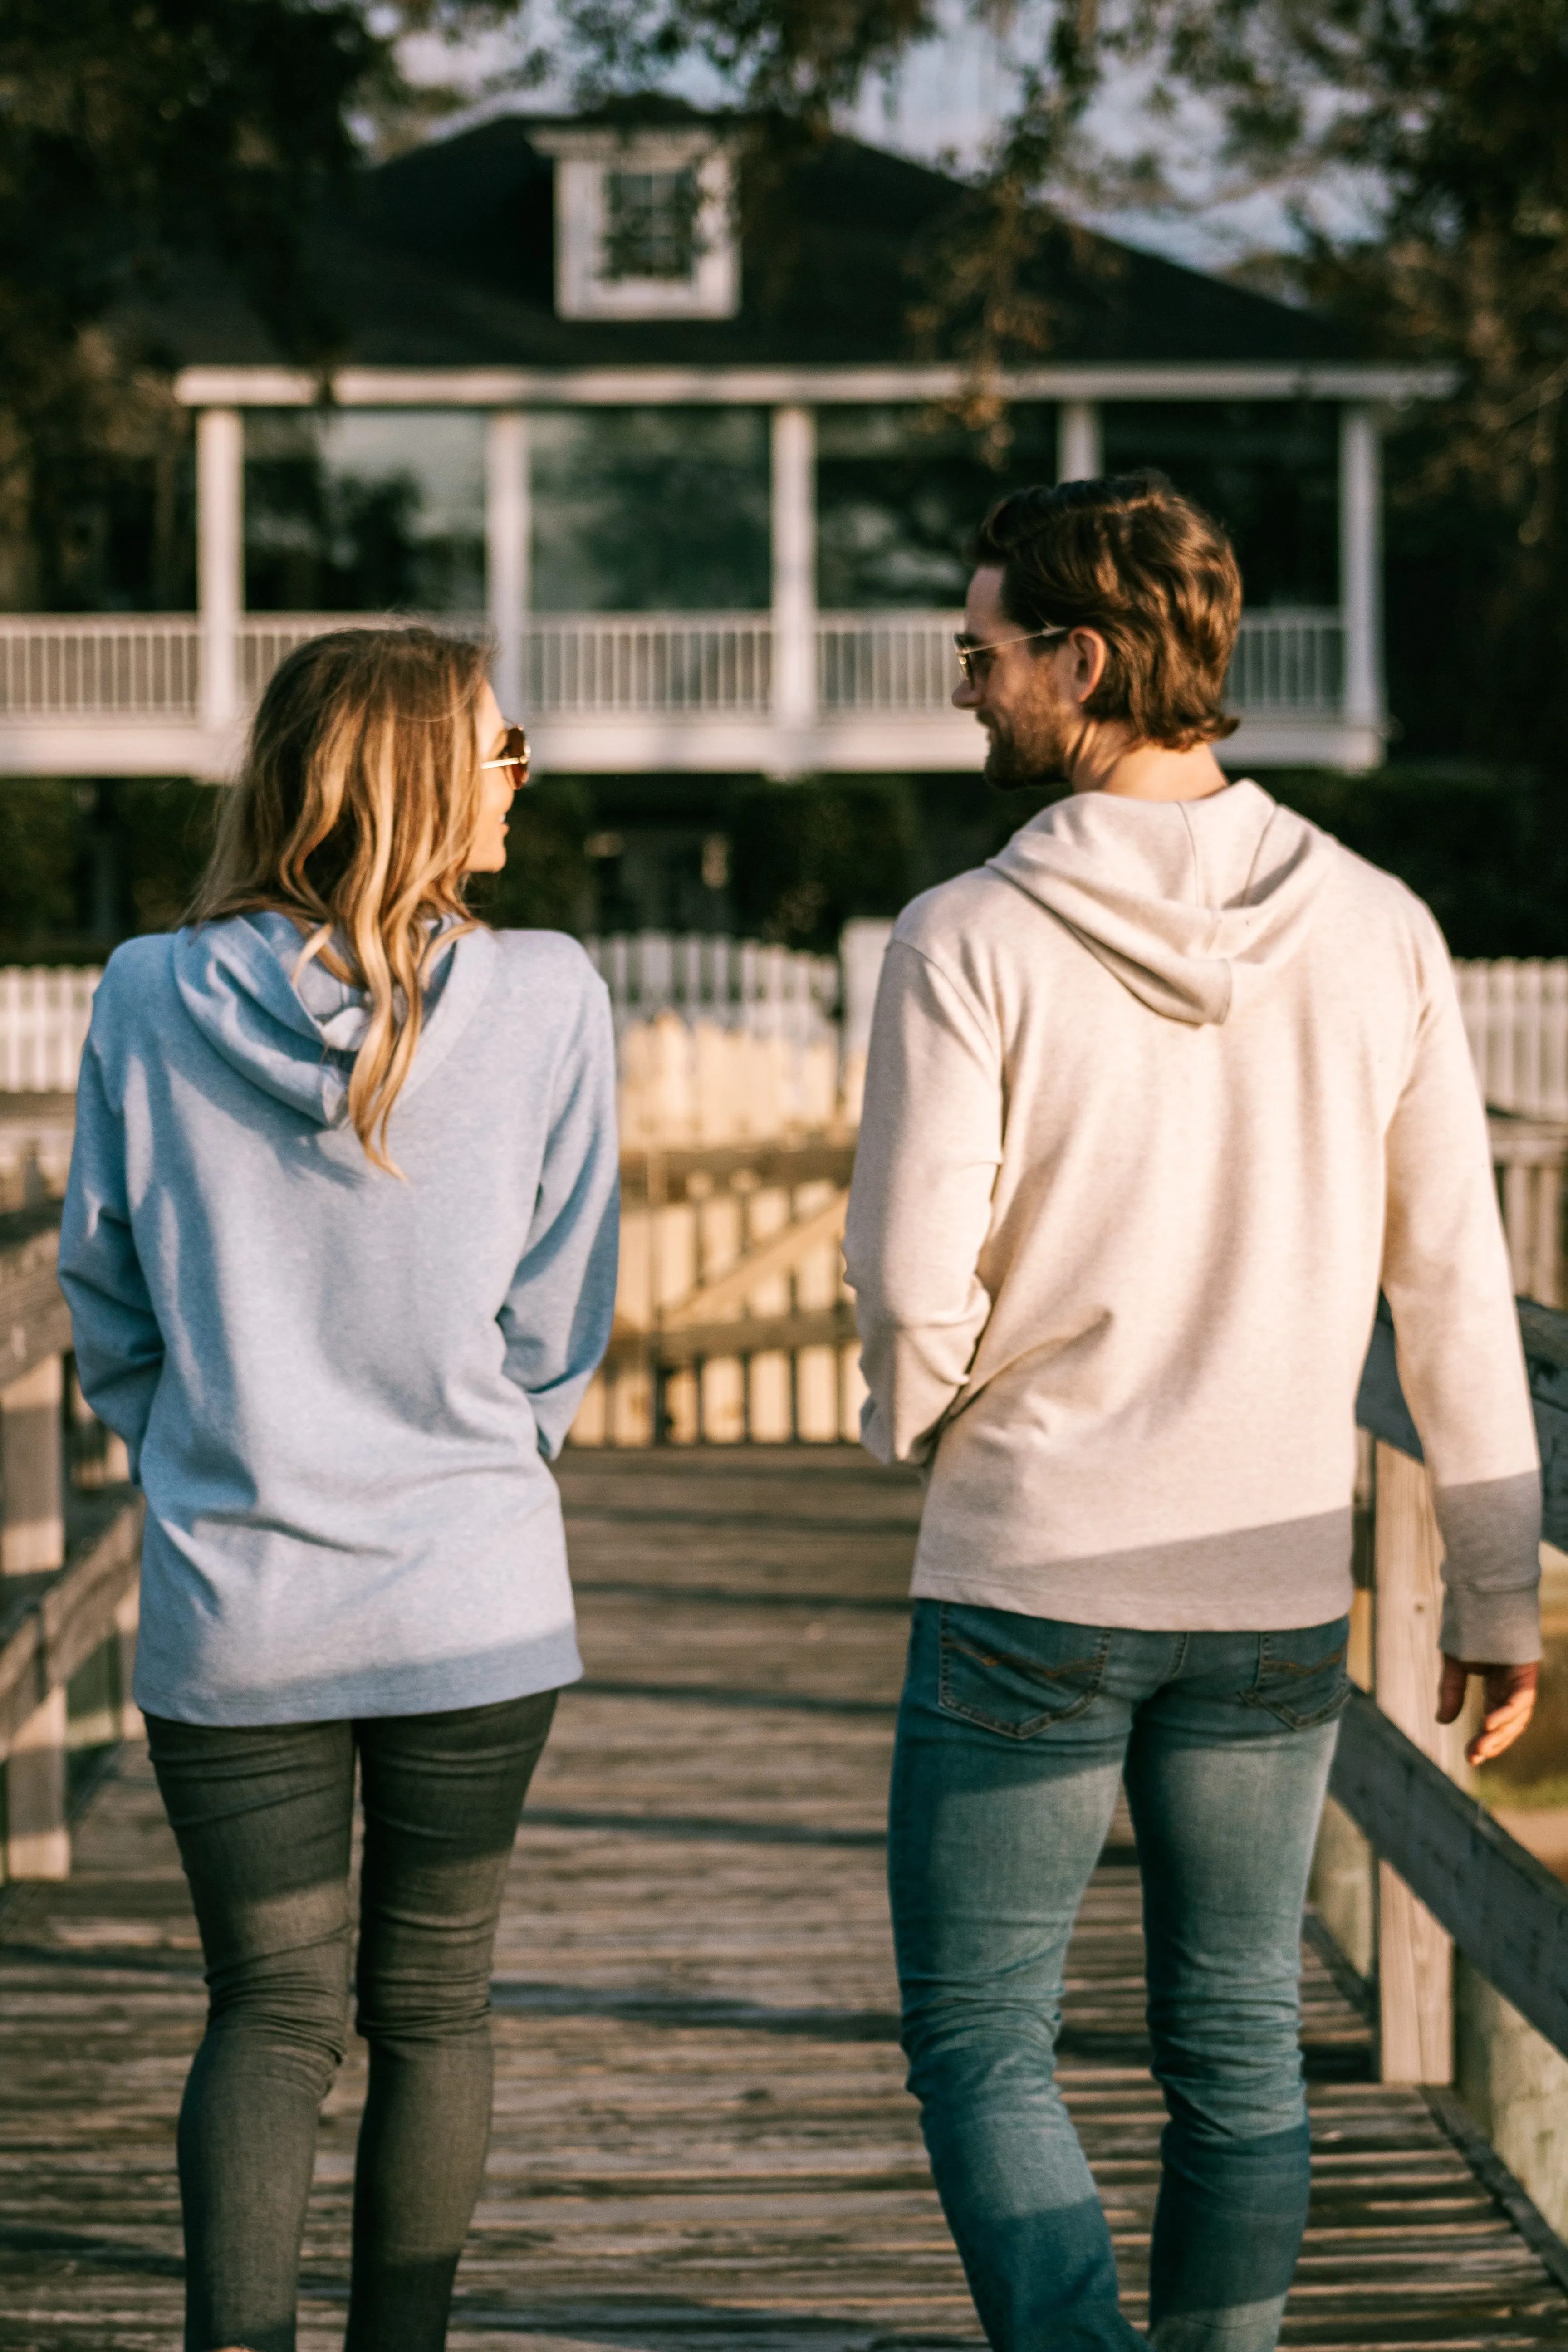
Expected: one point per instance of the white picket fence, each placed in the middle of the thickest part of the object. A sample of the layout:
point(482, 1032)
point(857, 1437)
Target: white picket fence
point(1516, 1017)
point(1516, 1012)
point(44, 1012)
point(738, 984)
point(721, 1040)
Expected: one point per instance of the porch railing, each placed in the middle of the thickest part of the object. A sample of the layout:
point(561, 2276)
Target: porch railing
point(100, 665)
point(609, 665)
point(1288, 664)
point(148, 666)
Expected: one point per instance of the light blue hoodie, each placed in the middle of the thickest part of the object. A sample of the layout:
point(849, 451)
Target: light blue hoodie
point(340, 1389)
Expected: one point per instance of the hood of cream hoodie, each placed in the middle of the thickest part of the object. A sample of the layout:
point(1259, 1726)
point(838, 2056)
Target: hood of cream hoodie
point(1193, 905)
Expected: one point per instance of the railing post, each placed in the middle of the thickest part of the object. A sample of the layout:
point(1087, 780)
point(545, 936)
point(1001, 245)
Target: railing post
point(32, 1543)
point(127, 1618)
point(1415, 1957)
point(1080, 454)
point(1361, 566)
point(32, 1471)
point(38, 1842)
point(507, 531)
point(794, 694)
point(220, 560)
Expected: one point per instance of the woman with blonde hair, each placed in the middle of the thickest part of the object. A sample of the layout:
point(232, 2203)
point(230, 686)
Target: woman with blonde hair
point(339, 1249)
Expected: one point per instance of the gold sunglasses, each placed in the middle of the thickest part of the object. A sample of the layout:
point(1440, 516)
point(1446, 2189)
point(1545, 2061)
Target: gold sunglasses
point(968, 655)
point(514, 758)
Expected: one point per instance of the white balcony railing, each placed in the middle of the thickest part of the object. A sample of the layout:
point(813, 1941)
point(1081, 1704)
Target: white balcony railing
point(594, 665)
point(98, 665)
point(607, 665)
point(902, 662)
point(1288, 664)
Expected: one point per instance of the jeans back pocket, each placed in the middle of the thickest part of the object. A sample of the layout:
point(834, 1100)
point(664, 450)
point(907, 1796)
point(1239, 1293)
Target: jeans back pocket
point(1018, 1676)
point(1301, 1676)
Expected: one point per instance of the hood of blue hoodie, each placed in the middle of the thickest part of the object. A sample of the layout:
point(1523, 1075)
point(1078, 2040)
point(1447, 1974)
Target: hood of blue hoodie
point(297, 1040)
point(1193, 905)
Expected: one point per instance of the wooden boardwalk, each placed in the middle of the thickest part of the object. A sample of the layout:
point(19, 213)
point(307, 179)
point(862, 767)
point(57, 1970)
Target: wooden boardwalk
point(701, 2139)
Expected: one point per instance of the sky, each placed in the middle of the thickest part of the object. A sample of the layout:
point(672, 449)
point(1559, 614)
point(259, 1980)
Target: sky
point(945, 103)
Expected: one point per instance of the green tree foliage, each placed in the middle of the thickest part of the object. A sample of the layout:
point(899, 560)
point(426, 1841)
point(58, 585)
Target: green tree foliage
point(547, 881)
point(82, 864)
point(1450, 118)
point(808, 857)
point(132, 131)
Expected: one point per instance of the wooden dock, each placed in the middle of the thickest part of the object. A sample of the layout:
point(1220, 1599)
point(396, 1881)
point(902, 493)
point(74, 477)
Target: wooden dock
point(701, 2137)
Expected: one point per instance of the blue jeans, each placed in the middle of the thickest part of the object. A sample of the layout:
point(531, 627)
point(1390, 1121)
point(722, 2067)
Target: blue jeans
point(1013, 1734)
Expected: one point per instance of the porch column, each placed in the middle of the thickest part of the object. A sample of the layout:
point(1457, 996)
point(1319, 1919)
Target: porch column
point(1361, 572)
point(220, 558)
point(506, 533)
point(795, 585)
point(1079, 457)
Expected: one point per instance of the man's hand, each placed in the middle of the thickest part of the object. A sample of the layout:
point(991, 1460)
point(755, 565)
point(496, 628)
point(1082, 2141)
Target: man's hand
point(1510, 1702)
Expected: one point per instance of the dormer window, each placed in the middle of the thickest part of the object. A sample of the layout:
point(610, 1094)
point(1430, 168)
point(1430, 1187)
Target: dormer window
point(650, 224)
point(644, 224)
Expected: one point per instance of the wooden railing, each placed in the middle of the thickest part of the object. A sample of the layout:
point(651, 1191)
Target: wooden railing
point(732, 1321)
point(1449, 1875)
point(67, 1624)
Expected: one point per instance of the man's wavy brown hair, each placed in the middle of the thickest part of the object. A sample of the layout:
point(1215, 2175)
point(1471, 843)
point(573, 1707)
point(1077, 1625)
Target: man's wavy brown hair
point(354, 814)
point(1129, 556)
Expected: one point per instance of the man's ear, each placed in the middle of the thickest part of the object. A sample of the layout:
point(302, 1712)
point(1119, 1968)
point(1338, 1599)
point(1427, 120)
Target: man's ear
point(1089, 656)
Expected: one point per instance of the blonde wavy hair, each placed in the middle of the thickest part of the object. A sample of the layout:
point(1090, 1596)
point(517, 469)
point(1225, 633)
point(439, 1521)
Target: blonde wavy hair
point(354, 814)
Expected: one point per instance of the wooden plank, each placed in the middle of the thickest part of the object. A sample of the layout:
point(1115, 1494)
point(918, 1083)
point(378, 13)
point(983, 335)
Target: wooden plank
point(676, 1346)
point(1503, 1909)
point(781, 1253)
point(665, 1175)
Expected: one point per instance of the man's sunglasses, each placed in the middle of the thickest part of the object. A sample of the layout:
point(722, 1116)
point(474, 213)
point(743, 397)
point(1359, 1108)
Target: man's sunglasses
point(969, 655)
point(513, 759)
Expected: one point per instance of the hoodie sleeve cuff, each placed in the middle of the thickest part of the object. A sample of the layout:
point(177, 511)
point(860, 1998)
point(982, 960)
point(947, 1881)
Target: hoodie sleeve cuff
point(1493, 1629)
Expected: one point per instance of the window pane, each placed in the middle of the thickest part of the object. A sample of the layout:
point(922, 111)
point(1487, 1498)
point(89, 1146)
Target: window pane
point(1267, 470)
point(364, 510)
point(651, 226)
point(650, 509)
point(900, 492)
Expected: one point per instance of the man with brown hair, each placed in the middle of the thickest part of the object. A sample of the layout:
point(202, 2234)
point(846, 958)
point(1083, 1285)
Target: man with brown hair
point(1156, 1100)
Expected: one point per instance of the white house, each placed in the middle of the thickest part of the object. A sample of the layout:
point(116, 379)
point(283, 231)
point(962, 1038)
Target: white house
point(665, 430)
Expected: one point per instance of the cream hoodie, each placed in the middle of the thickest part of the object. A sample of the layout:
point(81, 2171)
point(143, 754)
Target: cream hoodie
point(1155, 1101)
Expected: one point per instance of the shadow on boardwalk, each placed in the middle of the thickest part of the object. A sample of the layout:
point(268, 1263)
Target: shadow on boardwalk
point(702, 2134)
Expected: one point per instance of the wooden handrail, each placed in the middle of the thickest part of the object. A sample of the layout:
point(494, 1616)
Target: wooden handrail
point(55, 1615)
point(692, 1170)
point(1470, 1880)
point(1504, 1910)
point(33, 1319)
point(75, 1614)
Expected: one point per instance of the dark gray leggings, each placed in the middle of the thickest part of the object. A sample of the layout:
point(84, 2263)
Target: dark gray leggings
point(264, 1817)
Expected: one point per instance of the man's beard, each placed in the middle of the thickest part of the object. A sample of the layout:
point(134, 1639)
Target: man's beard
point(1032, 754)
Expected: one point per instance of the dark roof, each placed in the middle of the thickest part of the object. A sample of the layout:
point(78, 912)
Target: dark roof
point(446, 258)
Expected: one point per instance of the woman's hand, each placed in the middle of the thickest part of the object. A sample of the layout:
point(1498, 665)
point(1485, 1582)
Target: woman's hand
point(1510, 1703)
